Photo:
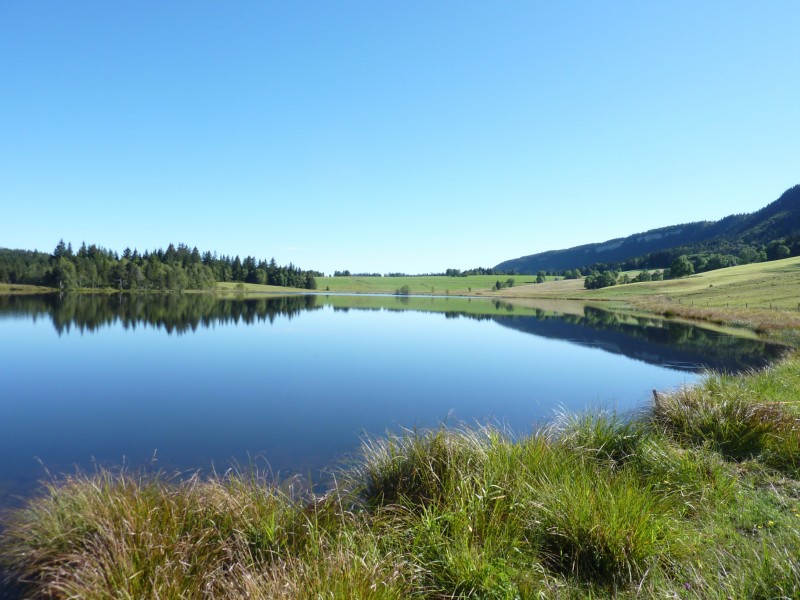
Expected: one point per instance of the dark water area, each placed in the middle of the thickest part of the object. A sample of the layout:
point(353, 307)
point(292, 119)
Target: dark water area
point(655, 341)
point(291, 384)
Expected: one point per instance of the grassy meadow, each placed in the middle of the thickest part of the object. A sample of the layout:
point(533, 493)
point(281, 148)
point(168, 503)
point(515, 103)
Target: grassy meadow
point(423, 284)
point(695, 497)
point(767, 285)
point(229, 288)
point(774, 284)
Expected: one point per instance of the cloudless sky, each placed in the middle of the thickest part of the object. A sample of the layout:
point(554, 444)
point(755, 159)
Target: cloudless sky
point(389, 136)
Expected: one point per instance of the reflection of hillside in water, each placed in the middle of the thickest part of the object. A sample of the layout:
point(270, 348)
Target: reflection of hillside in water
point(655, 341)
point(652, 340)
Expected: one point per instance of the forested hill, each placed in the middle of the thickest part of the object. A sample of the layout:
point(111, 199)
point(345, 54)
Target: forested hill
point(744, 238)
point(176, 268)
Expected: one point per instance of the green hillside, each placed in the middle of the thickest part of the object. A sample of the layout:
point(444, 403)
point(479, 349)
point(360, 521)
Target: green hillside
point(743, 237)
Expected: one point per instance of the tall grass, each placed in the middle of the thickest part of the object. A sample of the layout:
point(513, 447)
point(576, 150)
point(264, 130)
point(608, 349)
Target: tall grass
point(699, 497)
point(756, 416)
point(118, 535)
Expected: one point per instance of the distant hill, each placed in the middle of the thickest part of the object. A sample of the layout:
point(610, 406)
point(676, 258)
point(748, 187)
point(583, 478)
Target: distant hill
point(656, 248)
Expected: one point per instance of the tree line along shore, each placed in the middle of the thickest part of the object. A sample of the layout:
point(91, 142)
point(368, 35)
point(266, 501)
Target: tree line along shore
point(177, 268)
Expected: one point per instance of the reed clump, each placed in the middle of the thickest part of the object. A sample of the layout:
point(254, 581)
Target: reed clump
point(756, 416)
point(696, 497)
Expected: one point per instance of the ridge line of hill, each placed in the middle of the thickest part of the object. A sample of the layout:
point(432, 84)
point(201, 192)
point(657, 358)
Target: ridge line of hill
point(742, 237)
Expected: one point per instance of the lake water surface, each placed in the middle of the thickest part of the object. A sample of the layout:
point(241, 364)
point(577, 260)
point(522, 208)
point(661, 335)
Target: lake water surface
point(188, 382)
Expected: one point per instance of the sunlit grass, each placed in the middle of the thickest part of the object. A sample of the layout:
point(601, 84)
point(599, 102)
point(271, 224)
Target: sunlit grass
point(423, 284)
point(231, 288)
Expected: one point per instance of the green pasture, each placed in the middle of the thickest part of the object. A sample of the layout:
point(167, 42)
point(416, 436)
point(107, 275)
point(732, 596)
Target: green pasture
point(230, 287)
point(423, 284)
point(767, 285)
point(774, 284)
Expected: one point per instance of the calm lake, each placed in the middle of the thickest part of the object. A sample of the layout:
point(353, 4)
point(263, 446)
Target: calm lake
point(187, 382)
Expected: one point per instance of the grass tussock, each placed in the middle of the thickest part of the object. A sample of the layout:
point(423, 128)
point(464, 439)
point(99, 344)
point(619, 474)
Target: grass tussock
point(756, 416)
point(118, 535)
point(699, 497)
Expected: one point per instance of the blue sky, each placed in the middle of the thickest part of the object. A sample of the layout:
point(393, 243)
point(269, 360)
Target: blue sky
point(378, 136)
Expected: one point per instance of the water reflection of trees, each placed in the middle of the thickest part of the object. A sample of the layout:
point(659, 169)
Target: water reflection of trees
point(177, 313)
point(653, 340)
